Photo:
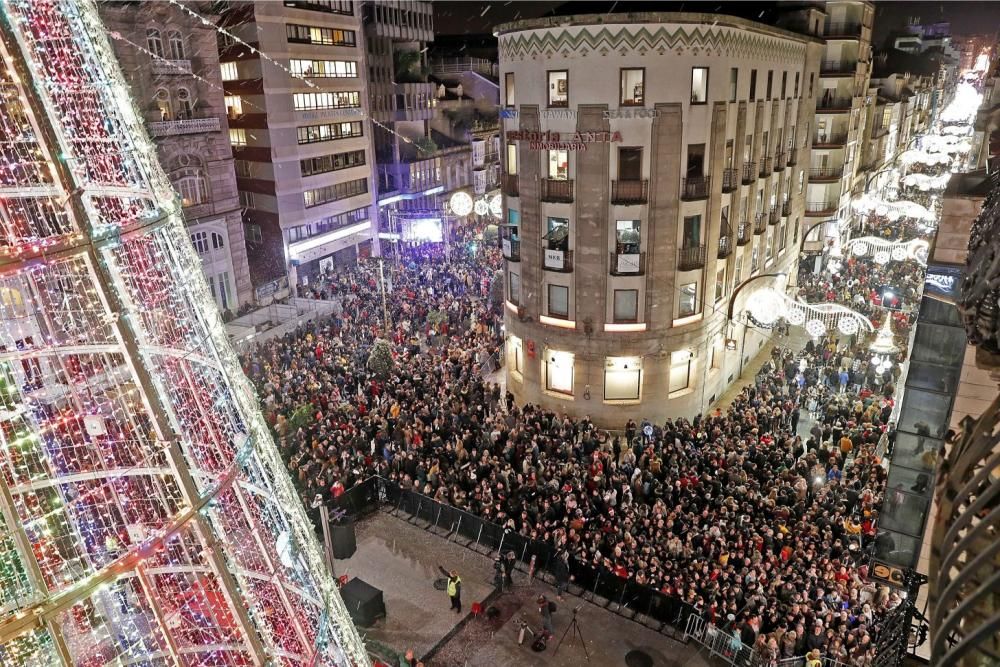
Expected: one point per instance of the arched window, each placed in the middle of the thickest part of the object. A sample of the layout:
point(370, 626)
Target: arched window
point(218, 241)
point(176, 43)
point(192, 187)
point(154, 42)
point(200, 241)
point(163, 103)
point(184, 105)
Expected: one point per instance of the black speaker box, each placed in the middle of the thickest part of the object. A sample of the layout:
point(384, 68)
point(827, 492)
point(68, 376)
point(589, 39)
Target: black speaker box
point(344, 540)
point(364, 602)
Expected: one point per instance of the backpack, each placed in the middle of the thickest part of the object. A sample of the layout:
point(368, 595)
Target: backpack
point(552, 607)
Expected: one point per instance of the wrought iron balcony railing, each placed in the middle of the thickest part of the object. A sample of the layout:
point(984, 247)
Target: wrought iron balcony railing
point(817, 208)
point(627, 264)
point(749, 172)
point(557, 190)
point(793, 156)
point(760, 223)
point(630, 192)
point(765, 167)
point(725, 241)
point(695, 187)
point(729, 180)
point(690, 258)
point(560, 261)
point(744, 232)
point(824, 174)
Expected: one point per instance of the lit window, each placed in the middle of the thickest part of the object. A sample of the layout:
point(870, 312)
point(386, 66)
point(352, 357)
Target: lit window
point(200, 241)
point(622, 378)
point(163, 103)
point(193, 189)
point(720, 284)
point(185, 108)
point(633, 86)
point(559, 165)
point(154, 42)
point(176, 45)
point(237, 137)
point(559, 371)
point(515, 355)
point(680, 370)
point(234, 106)
point(512, 159)
point(229, 72)
point(734, 80)
point(559, 88)
point(508, 89)
point(688, 303)
point(558, 301)
point(626, 306)
point(628, 238)
point(514, 289)
point(699, 85)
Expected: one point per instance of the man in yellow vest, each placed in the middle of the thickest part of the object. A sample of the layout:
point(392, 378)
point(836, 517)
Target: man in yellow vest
point(813, 659)
point(454, 588)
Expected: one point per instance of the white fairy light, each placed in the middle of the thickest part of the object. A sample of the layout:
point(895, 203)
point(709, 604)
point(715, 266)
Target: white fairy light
point(461, 203)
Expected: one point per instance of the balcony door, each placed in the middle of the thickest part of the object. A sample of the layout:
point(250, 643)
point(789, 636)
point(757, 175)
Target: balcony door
point(695, 161)
point(629, 164)
point(692, 231)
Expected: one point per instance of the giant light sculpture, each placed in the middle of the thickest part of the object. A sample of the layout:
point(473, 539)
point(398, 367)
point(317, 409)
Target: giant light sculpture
point(145, 515)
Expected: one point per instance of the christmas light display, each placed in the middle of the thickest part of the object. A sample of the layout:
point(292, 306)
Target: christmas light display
point(146, 515)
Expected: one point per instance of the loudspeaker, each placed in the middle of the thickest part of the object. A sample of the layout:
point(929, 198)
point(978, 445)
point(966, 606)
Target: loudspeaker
point(344, 541)
point(364, 602)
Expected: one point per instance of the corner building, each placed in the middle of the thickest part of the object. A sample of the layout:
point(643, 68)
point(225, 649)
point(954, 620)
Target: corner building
point(653, 163)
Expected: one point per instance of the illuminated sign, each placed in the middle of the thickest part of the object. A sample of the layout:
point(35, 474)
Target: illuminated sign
point(565, 141)
point(888, 574)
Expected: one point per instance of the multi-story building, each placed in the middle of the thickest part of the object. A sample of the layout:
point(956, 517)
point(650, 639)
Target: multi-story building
point(172, 66)
point(653, 163)
point(301, 135)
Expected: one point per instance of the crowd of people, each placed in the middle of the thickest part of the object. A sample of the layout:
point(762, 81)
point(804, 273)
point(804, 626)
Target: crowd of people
point(760, 529)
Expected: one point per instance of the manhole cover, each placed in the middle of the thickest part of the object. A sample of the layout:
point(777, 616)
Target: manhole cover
point(637, 658)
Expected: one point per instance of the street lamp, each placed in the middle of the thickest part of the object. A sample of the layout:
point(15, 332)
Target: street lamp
point(731, 342)
point(890, 163)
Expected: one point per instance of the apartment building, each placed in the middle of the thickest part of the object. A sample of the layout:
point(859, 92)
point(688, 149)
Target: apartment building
point(646, 179)
point(170, 61)
point(301, 136)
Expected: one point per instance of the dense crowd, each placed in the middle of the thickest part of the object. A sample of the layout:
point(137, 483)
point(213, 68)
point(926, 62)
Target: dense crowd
point(754, 526)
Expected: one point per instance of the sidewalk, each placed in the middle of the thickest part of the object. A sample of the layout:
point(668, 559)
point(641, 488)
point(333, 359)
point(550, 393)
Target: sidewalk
point(796, 340)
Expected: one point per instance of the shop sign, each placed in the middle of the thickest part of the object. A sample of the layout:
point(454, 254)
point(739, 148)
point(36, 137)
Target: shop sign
point(566, 141)
point(554, 259)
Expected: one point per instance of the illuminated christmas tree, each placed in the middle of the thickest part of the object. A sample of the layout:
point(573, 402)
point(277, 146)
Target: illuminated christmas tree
point(145, 515)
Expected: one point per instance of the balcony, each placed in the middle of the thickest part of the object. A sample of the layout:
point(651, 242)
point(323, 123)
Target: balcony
point(837, 68)
point(511, 249)
point(760, 223)
point(825, 174)
point(843, 30)
point(829, 139)
point(627, 264)
point(560, 261)
point(510, 185)
point(775, 215)
point(821, 208)
point(786, 209)
point(793, 157)
point(730, 180)
point(691, 258)
point(879, 131)
point(557, 190)
point(749, 172)
point(725, 241)
point(171, 67)
point(765, 167)
point(171, 128)
point(869, 164)
point(835, 103)
point(779, 162)
point(744, 232)
point(629, 192)
point(695, 187)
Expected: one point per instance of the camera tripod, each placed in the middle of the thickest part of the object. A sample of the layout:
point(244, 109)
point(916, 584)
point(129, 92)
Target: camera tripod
point(573, 626)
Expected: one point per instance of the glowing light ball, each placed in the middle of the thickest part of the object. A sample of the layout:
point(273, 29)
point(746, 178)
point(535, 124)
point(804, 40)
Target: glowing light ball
point(881, 210)
point(860, 248)
point(815, 328)
point(766, 306)
point(894, 215)
point(847, 325)
point(481, 207)
point(881, 257)
point(899, 254)
point(796, 317)
point(461, 203)
point(496, 206)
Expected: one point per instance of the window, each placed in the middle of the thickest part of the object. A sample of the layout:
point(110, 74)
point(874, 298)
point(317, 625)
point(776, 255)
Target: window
point(508, 90)
point(695, 161)
point(221, 289)
point(345, 7)
point(218, 241)
point(734, 82)
point(559, 371)
point(796, 84)
point(754, 257)
point(770, 81)
point(699, 85)
point(559, 88)
point(193, 189)
point(629, 164)
point(753, 85)
point(784, 84)
point(782, 233)
point(737, 271)
point(514, 288)
point(811, 84)
point(515, 356)
point(559, 165)
point(680, 370)
point(335, 162)
point(312, 134)
point(237, 137)
point(234, 106)
point(692, 231)
point(154, 42)
point(558, 301)
point(324, 69)
point(176, 45)
point(184, 107)
point(768, 248)
point(304, 34)
point(632, 82)
point(720, 283)
point(247, 201)
point(557, 234)
point(622, 378)
point(688, 304)
point(802, 180)
point(512, 159)
point(626, 305)
point(347, 99)
point(163, 103)
point(244, 168)
point(335, 192)
point(795, 232)
point(200, 242)
point(627, 237)
point(513, 217)
point(229, 71)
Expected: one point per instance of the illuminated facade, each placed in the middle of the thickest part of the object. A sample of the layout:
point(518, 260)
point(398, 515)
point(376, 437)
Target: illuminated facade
point(145, 515)
point(657, 164)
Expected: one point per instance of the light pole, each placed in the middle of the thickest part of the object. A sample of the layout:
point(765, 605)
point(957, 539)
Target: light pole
point(731, 342)
point(890, 163)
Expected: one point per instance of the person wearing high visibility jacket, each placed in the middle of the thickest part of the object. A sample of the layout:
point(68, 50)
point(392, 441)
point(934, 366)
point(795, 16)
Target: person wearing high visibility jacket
point(454, 588)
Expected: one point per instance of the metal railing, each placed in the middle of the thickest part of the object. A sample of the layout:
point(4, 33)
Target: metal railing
point(564, 265)
point(630, 192)
point(725, 242)
point(775, 215)
point(779, 162)
point(834, 103)
point(744, 232)
point(793, 156)
point(729, 180)
point(765, 167)
point(729, 647)
point(695, 187)
point(627, 264)
point(786, 208)
point(830, 138)
point(510, 185)
point(831, 67)
point(557, 190)
point(821, 207)
point(180, 67)
point(690, 258)
point(842, 29)
point(511, 249)
point(168, 128)
point(826, 173)
point(760, 223)
point(749, 172)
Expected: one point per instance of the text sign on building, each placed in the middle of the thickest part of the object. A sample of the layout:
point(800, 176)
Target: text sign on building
point(628, 263)
point(506, 247)
point(888, 574)
point(554, 259)
point(564, 141)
